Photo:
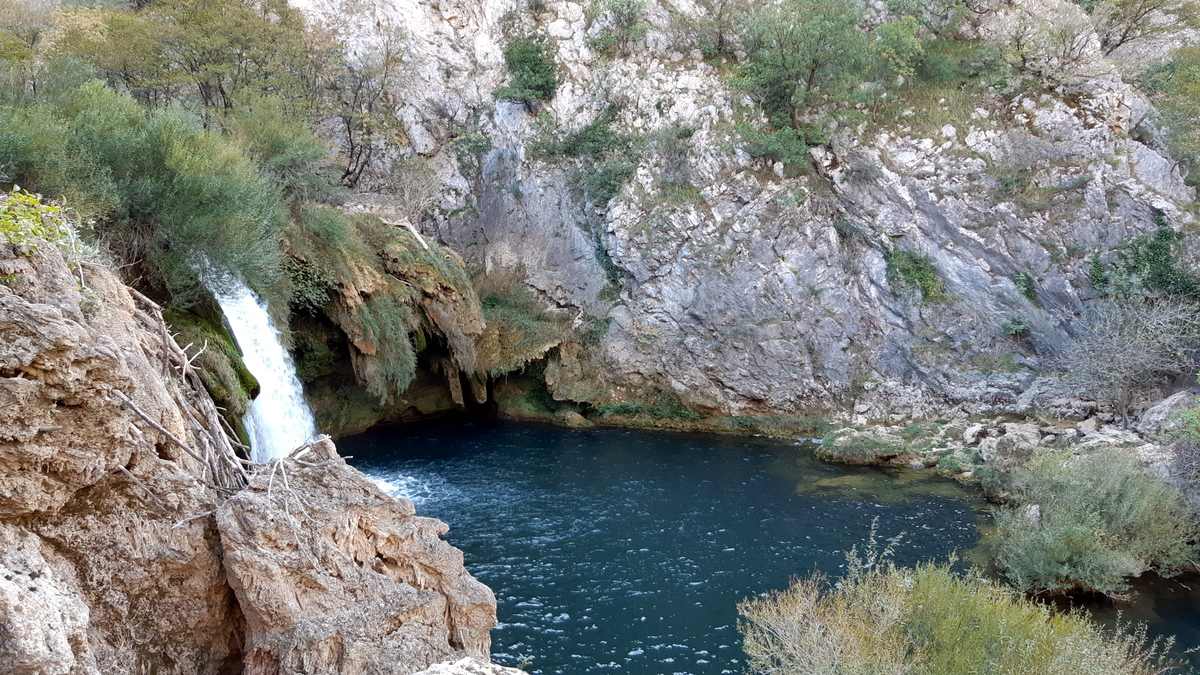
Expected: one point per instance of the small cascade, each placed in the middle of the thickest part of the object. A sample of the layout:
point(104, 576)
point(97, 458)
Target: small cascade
point(279, 419)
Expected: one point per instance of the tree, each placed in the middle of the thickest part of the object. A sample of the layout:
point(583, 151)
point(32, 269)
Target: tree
point(1175, 87)
point(1129, 343)
point(531, 72)
point(1120, 22)
point(800, 52)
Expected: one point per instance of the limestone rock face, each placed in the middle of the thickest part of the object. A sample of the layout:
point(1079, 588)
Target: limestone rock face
point(106, 567)
point(332, 575)
point(752, 290)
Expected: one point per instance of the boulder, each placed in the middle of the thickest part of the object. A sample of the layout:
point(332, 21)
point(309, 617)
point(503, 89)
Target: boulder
point(973, 433)
point(333, 575)
point(1163, 417)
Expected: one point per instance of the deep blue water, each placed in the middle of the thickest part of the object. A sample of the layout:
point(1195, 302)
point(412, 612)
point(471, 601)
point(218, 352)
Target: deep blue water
point(627, 551)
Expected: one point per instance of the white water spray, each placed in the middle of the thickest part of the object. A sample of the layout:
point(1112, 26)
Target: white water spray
point(279, 419)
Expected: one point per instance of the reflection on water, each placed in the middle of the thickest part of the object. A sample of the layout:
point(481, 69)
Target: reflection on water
point(627, 551)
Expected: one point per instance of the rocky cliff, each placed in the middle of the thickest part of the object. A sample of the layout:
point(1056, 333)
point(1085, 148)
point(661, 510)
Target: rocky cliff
point(743, 287)
point(134, 539)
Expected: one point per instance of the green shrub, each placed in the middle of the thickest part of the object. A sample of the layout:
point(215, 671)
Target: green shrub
point(312, 286)
point(915, 271)
point(1016, 327)
point(603, 181)
point(532, 75)
point(25, 218)
point(1026, 285)
point(800, 53)
point(284, 147)
point(786, 145)
point(884, 620)
point(161, 190)
point(622, 24)
point(1175, 88)
point(1148, 263)
point(1101, 521)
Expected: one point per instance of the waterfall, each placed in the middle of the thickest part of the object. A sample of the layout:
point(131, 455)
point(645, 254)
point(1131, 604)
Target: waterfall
point(279, 419)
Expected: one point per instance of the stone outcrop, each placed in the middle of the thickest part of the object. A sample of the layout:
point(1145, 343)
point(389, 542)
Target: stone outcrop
point(755, 291)
point(332, 575)
point(128, 544)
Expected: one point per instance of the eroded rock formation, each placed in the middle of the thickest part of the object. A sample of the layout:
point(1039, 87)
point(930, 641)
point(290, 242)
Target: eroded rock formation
point(128, 544)
point(334, 576)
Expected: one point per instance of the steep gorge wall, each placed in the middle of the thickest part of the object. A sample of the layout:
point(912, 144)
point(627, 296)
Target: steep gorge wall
point(753, 291)
point(129, 542)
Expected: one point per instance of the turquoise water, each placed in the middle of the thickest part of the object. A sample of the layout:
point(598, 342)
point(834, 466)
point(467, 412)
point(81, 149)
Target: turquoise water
point(625, 551)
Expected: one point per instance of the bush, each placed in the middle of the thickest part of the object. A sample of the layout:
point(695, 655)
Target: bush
point(284, 147)
point(1128, 344)
point(800, 52)
point(25, 218)
point(622, 24)
point(787, 145)
point(1175, 89)
point(882, 619)
point(915, 271)
point(531, 72)
point(1148, 264)
point(1101, 520)
point(161, 190)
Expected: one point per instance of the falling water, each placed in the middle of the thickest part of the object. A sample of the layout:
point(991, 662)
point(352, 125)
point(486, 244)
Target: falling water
point(279, 419)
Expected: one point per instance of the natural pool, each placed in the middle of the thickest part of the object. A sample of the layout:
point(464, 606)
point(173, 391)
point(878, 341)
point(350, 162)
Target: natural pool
point(627, 551)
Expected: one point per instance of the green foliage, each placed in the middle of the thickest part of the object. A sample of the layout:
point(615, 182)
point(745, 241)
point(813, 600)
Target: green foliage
point(787, 145)
point(1175, 89)
point(284, 147)
point(1148, 263)
point(470, 148)
point(25, 218)
point(1101, 521)
point(1026, 285)
point(386, 322)
point(622, 24)
point(1016, 327)
point(519, 328)
point(666, 406)
point(159, 189)
point(883, 619)
point(532, 75)
point(209, 53)
point(312, 286)
point(915, 272)
point(604, 180)
point(899, 47)
point(608, 157)
point(1097, 274)
point(800, 53)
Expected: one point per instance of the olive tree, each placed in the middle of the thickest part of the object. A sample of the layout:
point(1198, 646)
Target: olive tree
point(1129, 343)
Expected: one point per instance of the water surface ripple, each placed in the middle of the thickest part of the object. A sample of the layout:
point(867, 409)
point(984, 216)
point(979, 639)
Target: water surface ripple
point(626, 551)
